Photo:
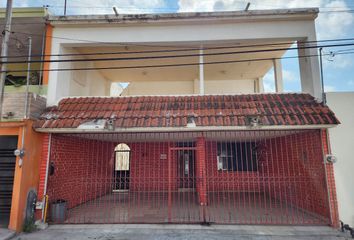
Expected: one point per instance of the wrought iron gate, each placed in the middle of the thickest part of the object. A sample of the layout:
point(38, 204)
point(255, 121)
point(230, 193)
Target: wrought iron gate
point(244, 177)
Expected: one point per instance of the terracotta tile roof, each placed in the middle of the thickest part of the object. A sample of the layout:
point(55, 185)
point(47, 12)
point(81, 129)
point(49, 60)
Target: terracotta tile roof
point(174, 111)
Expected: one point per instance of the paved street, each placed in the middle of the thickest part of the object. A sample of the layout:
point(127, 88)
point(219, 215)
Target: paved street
point(194, 232)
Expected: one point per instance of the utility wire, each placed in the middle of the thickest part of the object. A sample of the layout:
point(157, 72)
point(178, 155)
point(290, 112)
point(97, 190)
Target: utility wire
point(169, 46)
point(177, 56)
point(175, 65)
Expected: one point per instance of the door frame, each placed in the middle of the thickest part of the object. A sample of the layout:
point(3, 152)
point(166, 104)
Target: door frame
point(115, 171)
point(173, 149)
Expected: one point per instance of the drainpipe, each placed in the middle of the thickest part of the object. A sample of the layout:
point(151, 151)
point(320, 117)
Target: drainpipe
point(28, 75)
point(322, 81)
point(42, 58)
point(201, 71)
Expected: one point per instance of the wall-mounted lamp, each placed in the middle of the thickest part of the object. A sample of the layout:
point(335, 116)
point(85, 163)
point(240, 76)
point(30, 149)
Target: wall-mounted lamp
point(20, 153)
point(191, 122)
point(253, 121)
point(111, 124)
point(331, 158)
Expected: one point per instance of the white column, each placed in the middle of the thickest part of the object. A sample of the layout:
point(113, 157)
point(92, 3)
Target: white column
point(260, 85)
point(196, 86)
point(201, 72)
point(278, 75)
point(59, 81)
point(309, 70)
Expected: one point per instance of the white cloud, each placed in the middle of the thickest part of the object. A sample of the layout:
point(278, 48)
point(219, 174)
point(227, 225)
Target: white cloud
point(268, 82)
point(289, 76)
point(332, 25)
point(94, 6)
point(105, 6)
point(329, 25)
point(329, 88)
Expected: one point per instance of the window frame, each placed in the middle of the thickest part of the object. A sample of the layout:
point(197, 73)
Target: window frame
point(237, 157)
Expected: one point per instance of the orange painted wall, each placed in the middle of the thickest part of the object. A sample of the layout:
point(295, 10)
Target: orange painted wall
point(47, 52)
point(26, 177)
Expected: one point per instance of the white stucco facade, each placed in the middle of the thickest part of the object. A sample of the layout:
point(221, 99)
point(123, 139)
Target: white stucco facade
point(181, 30)
point(342, 144)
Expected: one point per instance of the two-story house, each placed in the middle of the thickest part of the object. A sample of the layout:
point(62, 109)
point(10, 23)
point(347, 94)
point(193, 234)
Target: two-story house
point(163, 118)
point(193, 137)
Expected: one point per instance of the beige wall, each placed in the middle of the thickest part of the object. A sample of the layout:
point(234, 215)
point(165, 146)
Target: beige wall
point(78, 83)
point(188, 87)
point(229, 86)
point(159, 88)
point(342, 143)
point(175, 33)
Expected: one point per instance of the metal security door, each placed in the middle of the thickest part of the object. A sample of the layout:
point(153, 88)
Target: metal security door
point(183, 202)
point(186, 169)
point(7, 171)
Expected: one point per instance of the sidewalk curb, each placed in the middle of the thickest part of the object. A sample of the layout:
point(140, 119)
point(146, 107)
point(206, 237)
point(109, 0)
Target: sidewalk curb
point(8, 236)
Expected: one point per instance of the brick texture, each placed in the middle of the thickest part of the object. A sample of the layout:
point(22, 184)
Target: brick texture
point(15, 103)
point(219, 180)
point(294, 171)
point(332, 192)
point(43, 166)
point(80, 173)
point(201, 174)
point(148, 171)
point(290, 171)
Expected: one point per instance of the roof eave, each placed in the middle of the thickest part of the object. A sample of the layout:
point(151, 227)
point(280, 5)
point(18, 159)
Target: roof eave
point(230, 16)
point(186, 129)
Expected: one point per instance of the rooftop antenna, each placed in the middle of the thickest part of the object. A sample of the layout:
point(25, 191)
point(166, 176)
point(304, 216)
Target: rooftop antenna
point(115, 11)
point(247, 6)
point(64, 7)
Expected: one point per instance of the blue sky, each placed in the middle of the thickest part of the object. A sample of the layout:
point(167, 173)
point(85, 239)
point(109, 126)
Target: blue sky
point(338, 70)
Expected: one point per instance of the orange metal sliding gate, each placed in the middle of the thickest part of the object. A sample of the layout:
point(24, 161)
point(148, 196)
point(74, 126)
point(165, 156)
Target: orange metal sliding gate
point(247, 177)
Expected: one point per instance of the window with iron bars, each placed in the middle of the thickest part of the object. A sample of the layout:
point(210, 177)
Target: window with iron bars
point(237, 156)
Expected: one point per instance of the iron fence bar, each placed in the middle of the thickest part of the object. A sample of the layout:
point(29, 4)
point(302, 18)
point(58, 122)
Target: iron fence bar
point(248, 177)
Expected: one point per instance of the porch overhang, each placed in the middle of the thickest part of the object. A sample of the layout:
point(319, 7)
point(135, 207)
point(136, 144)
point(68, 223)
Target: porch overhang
point(187, 113)
point(183, 129)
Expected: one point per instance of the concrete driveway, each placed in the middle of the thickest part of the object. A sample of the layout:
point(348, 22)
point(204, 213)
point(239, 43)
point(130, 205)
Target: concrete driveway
point(194, 232)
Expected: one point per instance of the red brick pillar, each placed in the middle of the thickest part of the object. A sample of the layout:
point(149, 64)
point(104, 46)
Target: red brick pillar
point(332, 192)
point(43, 169)
point(201, 171)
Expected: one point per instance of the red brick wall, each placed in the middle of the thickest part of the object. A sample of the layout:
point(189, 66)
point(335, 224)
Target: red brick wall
point(291, 170)
point(148, 172)
point(83, 169)
point(294, 173)
point(43, 166)
point(330, 181)
point(200, 171)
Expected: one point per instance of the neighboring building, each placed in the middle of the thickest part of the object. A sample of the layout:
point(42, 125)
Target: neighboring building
point(342, 143)
point(19, 177)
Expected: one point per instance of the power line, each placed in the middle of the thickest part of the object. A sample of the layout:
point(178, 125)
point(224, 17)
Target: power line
point(175, 65)
point(166, 46)
point(179, 56)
